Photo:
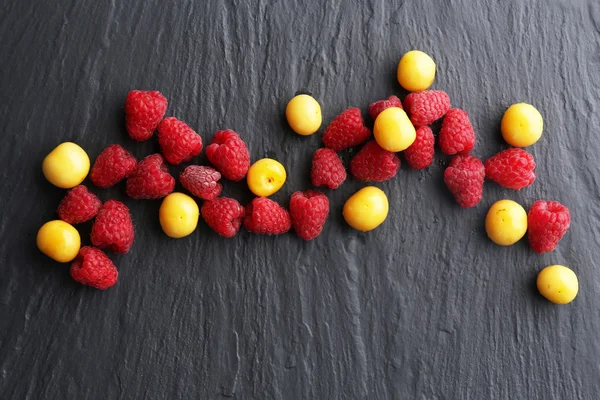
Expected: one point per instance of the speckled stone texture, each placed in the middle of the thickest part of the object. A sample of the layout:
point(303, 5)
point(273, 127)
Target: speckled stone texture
point(424, 307)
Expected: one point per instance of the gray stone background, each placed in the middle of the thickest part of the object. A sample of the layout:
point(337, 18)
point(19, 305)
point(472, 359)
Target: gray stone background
point(424, 307)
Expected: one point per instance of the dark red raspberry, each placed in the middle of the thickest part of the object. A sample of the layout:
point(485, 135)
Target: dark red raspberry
point(264, 216)
point(143, 112)
point(151, 179)
point(457, 135)
point(113, 227)
point(511, 168)
point(420, 154)
point(309, 211)
point(376, 108)
point(427, 106)
point(79, 205)
point(464, 177)
point(201, 181)
point(223, 215)
point(372, 163)
point(112, 166)
point(178, 141)
point(547, 222)
point(346, 130)
point(93, 268)
point(229, 154)
point(327, 169)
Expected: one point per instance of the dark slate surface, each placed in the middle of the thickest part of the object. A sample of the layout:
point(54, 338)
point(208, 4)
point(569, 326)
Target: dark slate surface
point(425, 307)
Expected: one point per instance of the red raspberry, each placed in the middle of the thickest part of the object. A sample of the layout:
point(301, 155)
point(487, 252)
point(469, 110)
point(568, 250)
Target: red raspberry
point(143, 112)
point(223, 215)
point(113, 227)
point(266, 217)
point(93, 268)
point(457, 135)
point(547, 222)
point(420, 154)
point(151, 179)
point(309, 211)
point(79, 205)
point(427, 106)
point(112, 166)
point(372, 163)
point(464, 177)
point(379, 106)
point(201, 181)
point(512, 168)
point(327, 169)
point(229, 154)
point(346, 130)
point(178, 141)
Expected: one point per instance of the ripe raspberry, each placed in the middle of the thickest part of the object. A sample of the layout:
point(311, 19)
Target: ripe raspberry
point(457, 135)
point(346, 130)
point(512, 168)
point(178, 141)
point(372, 163)
point(547, 222)
point(464, 177)
point(143, 112)
point(201, 181)
point(229, 154)
point(151, 179)
point(113, 227)
point(266, 217)
point(78, 205)
point(93, 268)
point(112, 166)
point(223, 215)
point(379, 106)
point(420, 154)
point(327, 169)
point(309, 211)
point(426, 107)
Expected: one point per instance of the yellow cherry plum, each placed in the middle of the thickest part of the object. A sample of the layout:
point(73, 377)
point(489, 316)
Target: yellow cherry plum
point(66, 166)
point(522, 125)
point(178, 215)
point(366, 209)
point(266, 176)
point(393, 130)
point(303, 113)
point(506, 222)
point(558, 284)
point(416, 71)
point(59, 240)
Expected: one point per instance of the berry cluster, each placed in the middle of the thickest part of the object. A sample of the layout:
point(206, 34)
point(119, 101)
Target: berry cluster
point(464, 176)
point(308, 211)
point(150, 178)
